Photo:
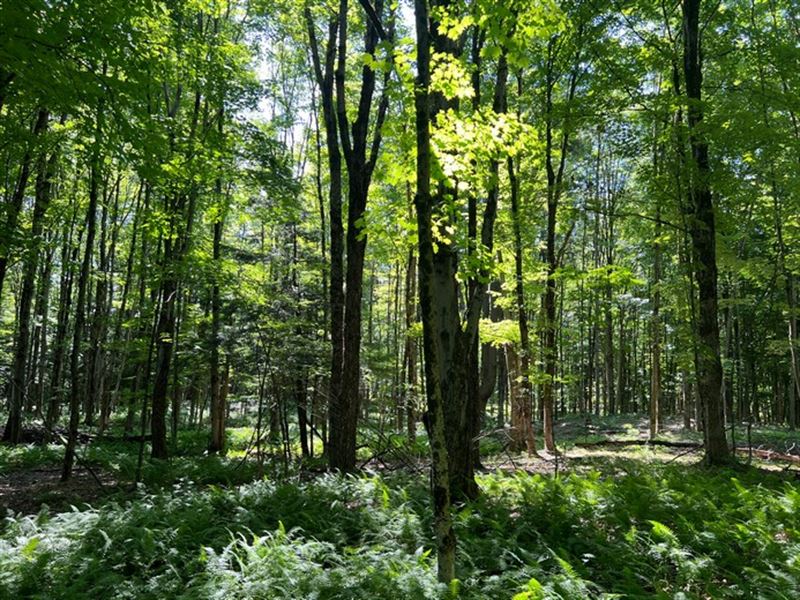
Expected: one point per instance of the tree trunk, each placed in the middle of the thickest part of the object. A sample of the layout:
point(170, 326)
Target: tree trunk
point(622, 391)
point(360, 162)
point(164, 344)
point(69, 256)
point(19, 371)
point(15, 204)
point(555, 180)
point(703, 232)
point(42, 309)
point(522, 435)
point(80, 304)
point(301, 400)
point(409, 384)
point(794, 349)
point(655, 333)
point(95, 362)
point(325, 81)
point(217, 441)
point(430, 294)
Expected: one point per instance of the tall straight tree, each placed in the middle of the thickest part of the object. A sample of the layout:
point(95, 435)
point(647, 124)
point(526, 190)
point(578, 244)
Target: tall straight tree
point(14, 203)
point(556, 151)
point(324, 77)
point(704, 249)
point(44, 177)
point(454, 317)
point(426, 107)
point(217, 441)
point(522, 403)
point(95, 166)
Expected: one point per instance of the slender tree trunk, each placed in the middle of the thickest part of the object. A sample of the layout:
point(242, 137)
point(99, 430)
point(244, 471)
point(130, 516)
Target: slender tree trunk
point(301, 400)
point(95, 363)
point(409, 386)
point(217, 442)
point(80, 304)
point(68, 257)
point(19, 371)
point(502, 388)
point(703, 232)
point(522, 434)
point(622, 392)
point(794, 349)
point(42, 311)
point(180, 208)
point(15, 204)
point(555, 179)
point(490, 357)
point(164, 344)
point(175, 411)
point(655, 333)
point(360, 162)
point(608, 350)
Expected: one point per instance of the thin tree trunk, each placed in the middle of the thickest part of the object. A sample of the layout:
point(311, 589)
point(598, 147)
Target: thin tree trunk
point(15, 204)
point(655, 332)
point(80, 304)
point(217, 442)
point(555, 176)
point(522, 434)
point(409, 383)
point(301, 401)
point(703, 232)
point(19, 371)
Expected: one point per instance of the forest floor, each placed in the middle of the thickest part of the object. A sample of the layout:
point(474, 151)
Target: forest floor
point(610, 516)
point(26, 491)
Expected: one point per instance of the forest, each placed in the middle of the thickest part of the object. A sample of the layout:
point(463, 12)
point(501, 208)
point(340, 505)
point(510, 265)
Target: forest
point(402, 299)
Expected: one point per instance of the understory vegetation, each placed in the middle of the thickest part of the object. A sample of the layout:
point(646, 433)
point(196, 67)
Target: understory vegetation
point(638, 522)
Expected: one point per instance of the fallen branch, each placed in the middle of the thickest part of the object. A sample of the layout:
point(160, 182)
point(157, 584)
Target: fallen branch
point(665, 443)
point(770, 454)
point(692, 446)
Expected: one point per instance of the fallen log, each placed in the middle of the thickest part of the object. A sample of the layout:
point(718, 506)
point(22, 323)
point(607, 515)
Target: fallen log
point(762, 453)
point(769, 454)
point(132, 438)
point(665, 443)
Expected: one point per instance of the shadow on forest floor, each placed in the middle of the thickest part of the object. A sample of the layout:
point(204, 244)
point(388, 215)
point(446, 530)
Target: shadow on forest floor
point(28, 490)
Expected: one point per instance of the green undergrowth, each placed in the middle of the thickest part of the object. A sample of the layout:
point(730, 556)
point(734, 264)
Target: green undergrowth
point(118, 459)
point(628, 530)
point(29, 456)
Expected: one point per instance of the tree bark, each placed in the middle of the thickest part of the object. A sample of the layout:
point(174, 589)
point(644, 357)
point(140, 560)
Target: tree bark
point(180, 208)
point(522, 435)
point(80, 304)
point(360, 162)
point(430, 301)
point(19, 371)
point(15, 204)
point(409, 384)
point(703, 233)
point(325, 81)
point(655, 333)
point(217, 441)
point(555, 179)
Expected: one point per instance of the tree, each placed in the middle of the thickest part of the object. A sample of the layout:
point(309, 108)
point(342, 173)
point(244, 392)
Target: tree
point(426, 108)
point(703, 232)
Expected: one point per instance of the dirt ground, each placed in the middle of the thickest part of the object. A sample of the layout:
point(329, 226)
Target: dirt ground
point(26, 491)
